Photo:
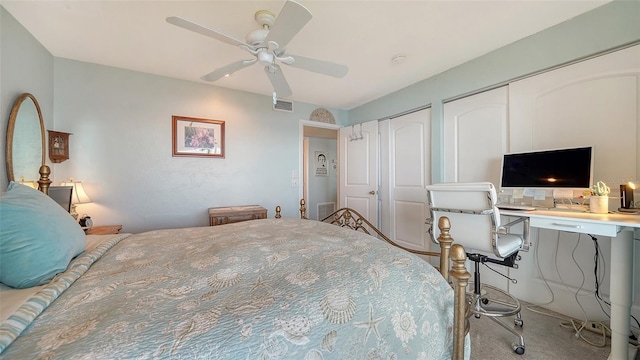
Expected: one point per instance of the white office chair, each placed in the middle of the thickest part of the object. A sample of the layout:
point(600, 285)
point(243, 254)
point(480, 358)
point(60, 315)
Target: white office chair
point(475, 220)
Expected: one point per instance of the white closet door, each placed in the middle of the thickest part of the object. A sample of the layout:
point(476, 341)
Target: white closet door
point(409, 164)
point(476, 136)
point(591, 103)
point(359, 169)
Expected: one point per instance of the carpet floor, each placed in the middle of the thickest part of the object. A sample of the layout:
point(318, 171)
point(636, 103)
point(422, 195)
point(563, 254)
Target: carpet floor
point(545, 339)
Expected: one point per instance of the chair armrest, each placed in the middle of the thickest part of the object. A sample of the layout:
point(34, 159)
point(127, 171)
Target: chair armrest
point(505, 229)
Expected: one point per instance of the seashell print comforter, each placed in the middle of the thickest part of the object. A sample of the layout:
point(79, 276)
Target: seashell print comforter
point(261, 289)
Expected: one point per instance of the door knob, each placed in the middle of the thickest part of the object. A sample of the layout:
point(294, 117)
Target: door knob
point(372, 192)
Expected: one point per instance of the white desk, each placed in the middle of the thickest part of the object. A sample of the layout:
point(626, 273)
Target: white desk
point(620, 228)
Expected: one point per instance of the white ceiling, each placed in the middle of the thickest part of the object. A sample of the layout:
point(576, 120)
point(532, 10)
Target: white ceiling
point(364, 35)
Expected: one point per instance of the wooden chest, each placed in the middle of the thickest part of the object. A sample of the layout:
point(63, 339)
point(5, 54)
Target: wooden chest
point(232, 214)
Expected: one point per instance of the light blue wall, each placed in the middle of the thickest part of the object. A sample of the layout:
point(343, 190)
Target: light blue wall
point(121, 142)
point(604, 28)
point(122, 147)
point(25, 66)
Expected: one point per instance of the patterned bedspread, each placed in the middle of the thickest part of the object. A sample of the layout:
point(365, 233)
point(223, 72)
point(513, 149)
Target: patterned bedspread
point(262, 289)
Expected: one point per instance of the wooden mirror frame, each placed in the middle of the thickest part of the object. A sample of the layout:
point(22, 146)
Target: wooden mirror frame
point(43, 169)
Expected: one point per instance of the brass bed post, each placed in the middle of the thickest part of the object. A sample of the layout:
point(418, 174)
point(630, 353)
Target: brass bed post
point(460, 277)
point(445, 241)
point(44, 182)
point(303, 209)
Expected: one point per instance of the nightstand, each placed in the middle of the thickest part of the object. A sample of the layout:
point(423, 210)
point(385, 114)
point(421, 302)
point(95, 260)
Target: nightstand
point(104, 230)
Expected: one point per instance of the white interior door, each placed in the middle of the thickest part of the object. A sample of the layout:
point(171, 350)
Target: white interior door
point(409, 171)
point(358, 178)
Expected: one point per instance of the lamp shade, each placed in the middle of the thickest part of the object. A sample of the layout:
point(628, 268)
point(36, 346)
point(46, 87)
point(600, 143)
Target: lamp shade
point(79, 196)
point(31, 184)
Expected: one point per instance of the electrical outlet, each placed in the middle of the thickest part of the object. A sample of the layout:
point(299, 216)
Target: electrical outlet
point(598, 328)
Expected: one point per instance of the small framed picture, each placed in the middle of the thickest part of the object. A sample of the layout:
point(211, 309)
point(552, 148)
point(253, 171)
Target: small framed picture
point(321, 163)
point(197, 137)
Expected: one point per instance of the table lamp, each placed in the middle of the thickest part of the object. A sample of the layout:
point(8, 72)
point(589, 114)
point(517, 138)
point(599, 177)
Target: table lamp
point(31, 184)
point(78, 196)
point(626, 198)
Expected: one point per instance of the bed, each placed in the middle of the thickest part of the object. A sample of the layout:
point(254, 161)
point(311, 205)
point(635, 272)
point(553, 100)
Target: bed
point(262, 289)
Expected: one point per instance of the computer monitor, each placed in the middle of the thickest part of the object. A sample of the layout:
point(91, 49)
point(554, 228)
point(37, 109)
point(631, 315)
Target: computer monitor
point(62, 195)
point(570, 168)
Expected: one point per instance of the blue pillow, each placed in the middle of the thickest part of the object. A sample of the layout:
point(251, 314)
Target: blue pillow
point(38, 237)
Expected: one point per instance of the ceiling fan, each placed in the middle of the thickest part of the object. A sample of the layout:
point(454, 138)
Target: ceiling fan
point(267, 45)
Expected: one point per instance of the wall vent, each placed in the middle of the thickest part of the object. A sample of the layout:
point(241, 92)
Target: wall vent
point(283, 105)
point(325, 209)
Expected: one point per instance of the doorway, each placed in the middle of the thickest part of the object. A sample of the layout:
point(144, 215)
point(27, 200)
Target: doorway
point(319, 168)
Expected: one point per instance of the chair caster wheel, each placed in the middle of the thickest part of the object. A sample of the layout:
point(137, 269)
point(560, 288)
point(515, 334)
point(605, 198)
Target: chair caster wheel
point(485, 301)
point(518, 349)
point(518, 322)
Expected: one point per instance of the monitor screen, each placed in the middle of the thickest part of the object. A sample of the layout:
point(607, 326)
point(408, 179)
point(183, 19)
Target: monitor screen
point(560, 168)
point(62, 195)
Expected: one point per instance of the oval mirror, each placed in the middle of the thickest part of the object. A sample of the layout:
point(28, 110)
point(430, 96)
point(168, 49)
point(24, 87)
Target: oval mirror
point(25, 140)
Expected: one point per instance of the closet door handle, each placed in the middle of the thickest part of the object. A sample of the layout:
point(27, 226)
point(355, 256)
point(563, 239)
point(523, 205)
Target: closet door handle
point(372, 192)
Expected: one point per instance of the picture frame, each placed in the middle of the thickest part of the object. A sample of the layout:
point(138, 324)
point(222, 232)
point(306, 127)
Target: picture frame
point(321, 163)
point(197, 137)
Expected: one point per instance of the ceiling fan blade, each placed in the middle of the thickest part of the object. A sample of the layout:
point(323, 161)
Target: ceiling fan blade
point(292, 18)
point(319, 66)
point(280, 85)
point(227, 70)
point(186, 24)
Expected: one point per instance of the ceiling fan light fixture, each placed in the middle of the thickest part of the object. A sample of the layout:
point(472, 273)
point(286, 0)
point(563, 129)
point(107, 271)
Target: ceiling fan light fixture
point(265, 58)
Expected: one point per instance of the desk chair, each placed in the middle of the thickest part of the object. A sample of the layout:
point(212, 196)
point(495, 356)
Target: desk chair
point(475, 220)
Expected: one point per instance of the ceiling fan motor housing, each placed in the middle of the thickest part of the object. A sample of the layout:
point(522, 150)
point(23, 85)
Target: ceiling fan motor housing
point(256, 37)
point(265, 19)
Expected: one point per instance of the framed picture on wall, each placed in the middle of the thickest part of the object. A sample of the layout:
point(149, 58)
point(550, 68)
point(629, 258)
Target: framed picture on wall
point(197, 137)
point(321, 163)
